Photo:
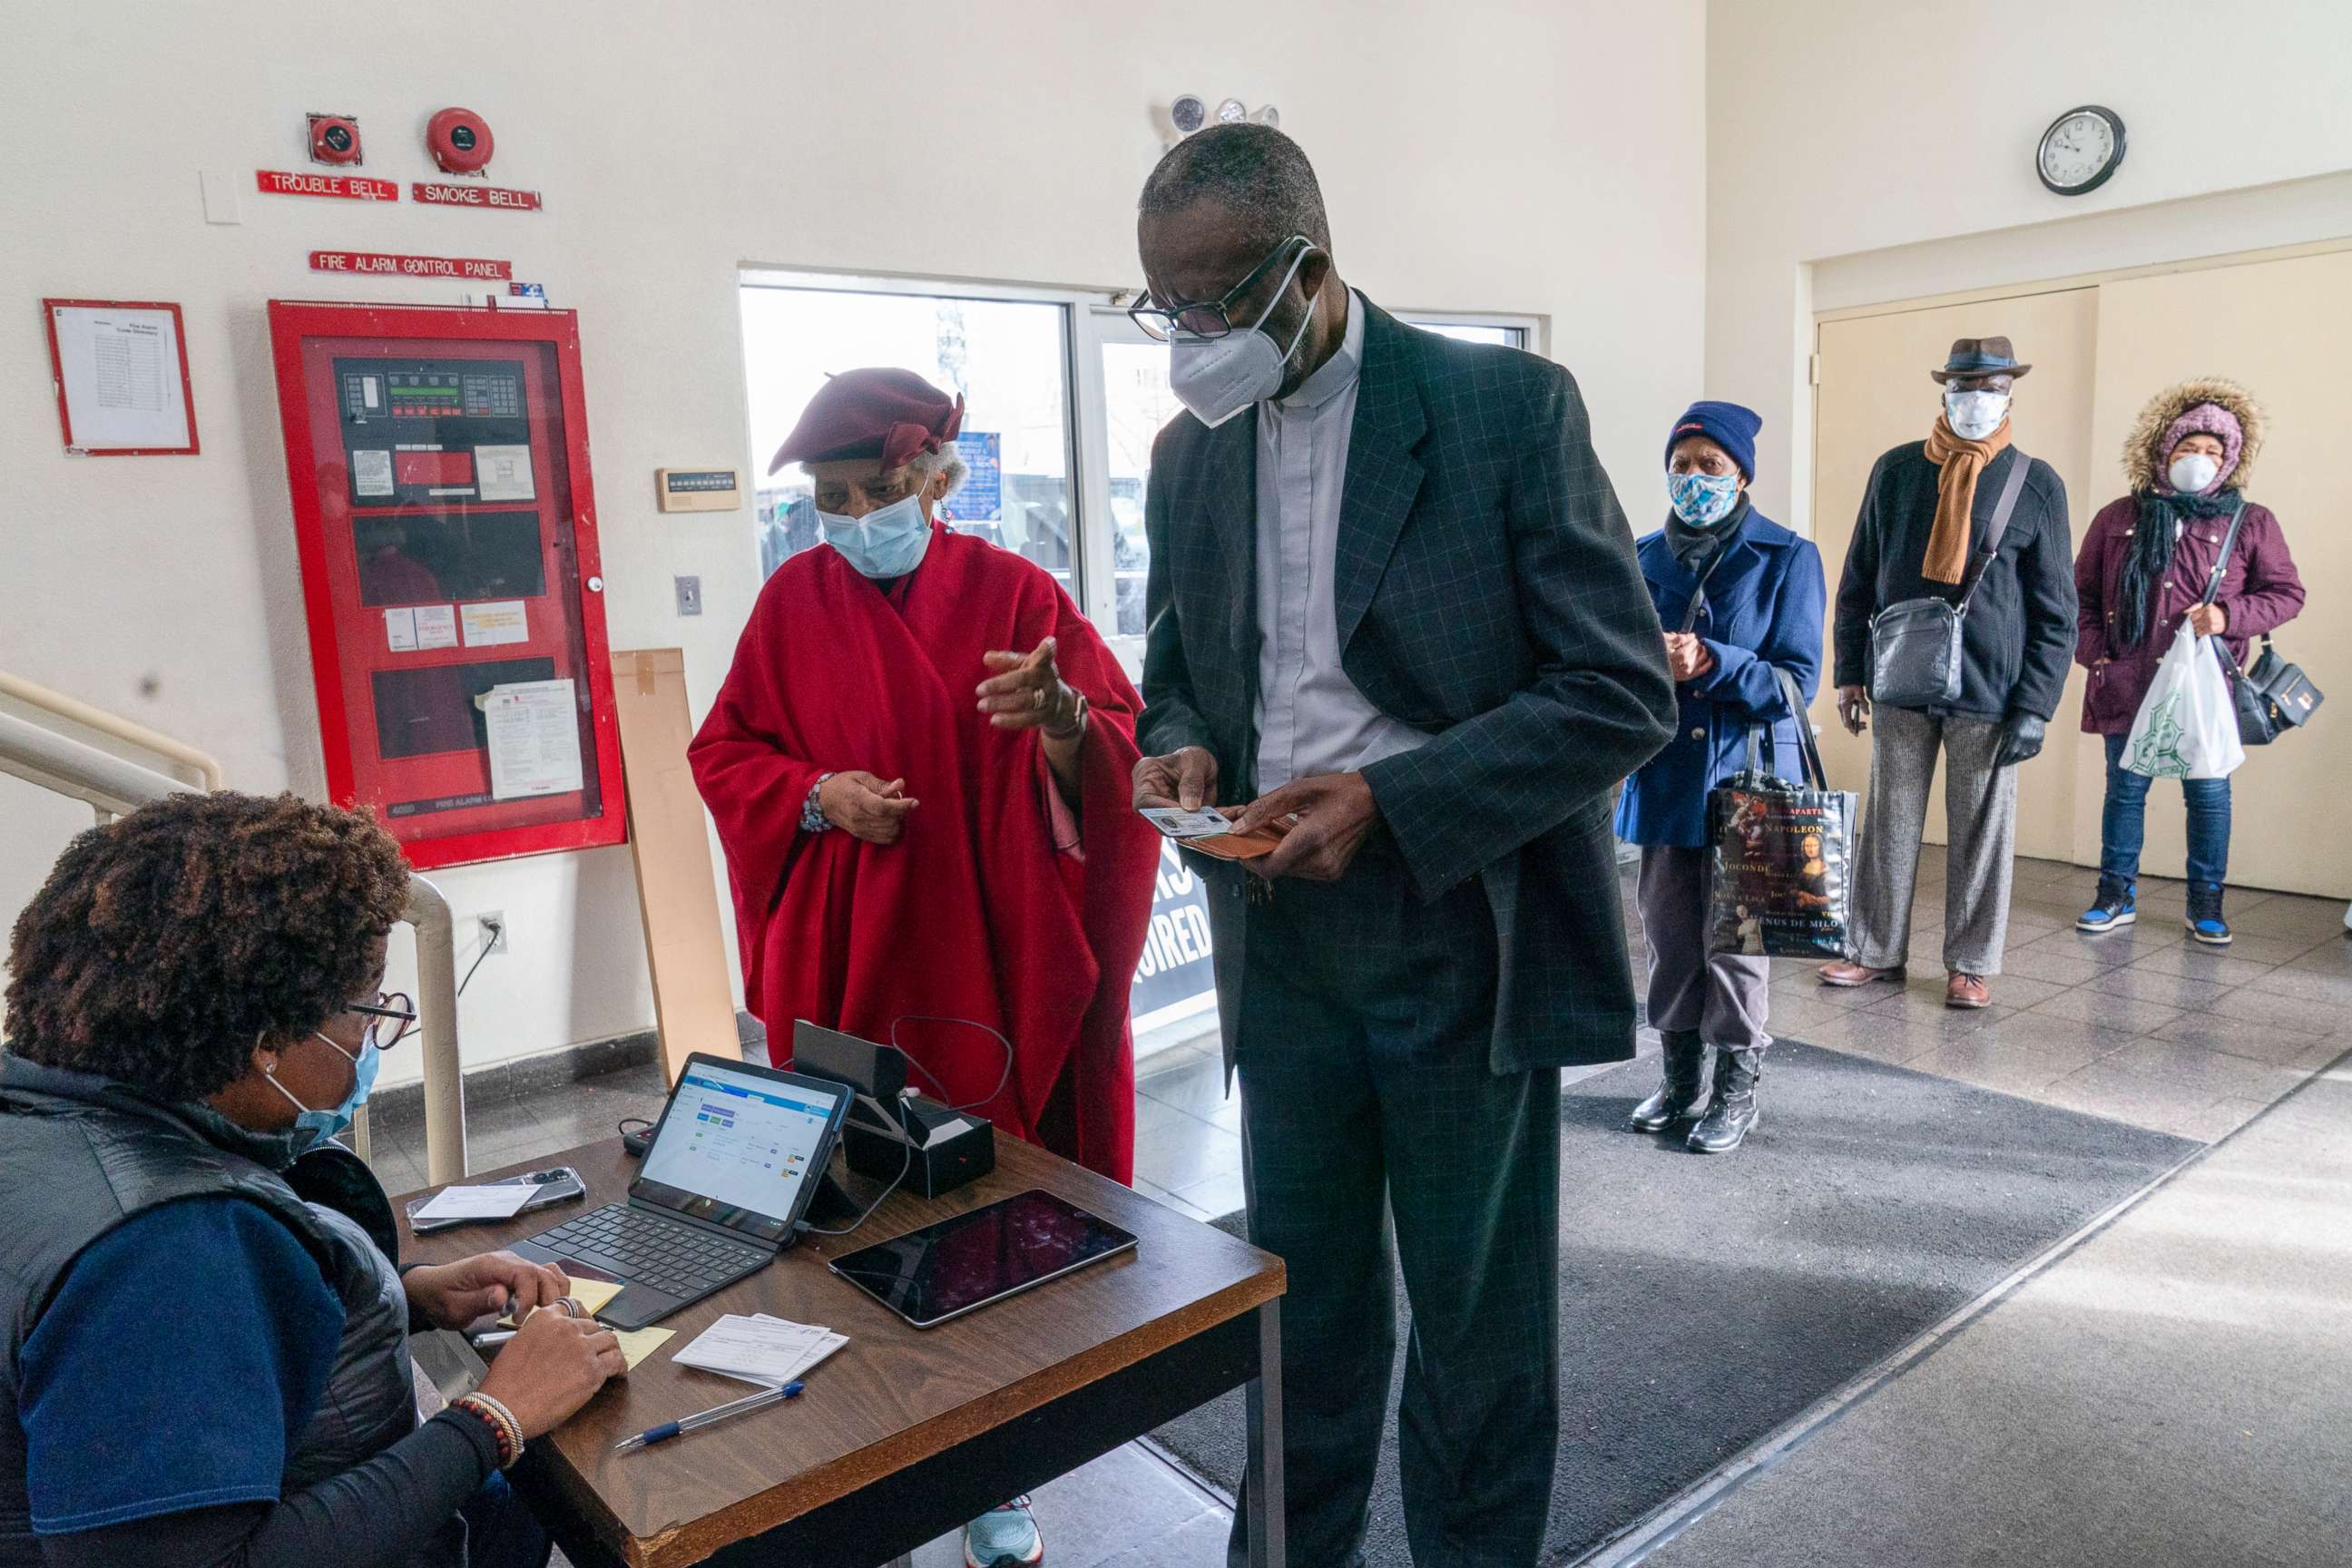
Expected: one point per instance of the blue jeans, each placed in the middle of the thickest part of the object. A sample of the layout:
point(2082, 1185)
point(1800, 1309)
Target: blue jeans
point(2122, 823)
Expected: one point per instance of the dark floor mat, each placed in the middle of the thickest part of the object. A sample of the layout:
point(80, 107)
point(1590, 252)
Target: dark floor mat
point(1706, 1300)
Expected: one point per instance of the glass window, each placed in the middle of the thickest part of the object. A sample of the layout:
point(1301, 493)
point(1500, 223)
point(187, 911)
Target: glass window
point(1136, 405)
point(1478, 333)
point(1008, 359)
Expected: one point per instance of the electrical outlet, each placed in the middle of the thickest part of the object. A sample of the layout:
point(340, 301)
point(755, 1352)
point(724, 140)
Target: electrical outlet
point(493, 928)
point(689, 596)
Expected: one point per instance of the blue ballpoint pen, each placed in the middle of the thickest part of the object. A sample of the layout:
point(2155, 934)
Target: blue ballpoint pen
point(669, 1429)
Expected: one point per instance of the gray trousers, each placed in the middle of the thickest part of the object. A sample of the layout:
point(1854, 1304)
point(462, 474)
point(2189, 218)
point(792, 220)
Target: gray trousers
point(1721, 996)
point(1981, 820)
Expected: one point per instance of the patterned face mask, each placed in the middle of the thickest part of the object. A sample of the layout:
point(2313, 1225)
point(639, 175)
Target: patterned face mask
point(1703, 500)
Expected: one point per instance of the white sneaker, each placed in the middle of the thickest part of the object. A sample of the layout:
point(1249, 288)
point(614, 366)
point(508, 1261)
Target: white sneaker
point(1004, 1537)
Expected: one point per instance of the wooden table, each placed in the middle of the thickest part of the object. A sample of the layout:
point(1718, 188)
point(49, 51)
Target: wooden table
point(904, 1433)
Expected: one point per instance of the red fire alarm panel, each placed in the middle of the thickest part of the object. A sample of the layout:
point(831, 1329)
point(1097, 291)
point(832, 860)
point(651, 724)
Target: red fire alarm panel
point(438, 460)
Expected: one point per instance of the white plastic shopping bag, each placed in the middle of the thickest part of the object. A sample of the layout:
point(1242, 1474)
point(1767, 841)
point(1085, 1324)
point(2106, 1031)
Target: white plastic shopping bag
point(2186, 727)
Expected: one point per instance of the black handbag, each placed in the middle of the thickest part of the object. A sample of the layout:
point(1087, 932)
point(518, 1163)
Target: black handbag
point(1915, 646)
point(1780, 853)
point(2271, 695)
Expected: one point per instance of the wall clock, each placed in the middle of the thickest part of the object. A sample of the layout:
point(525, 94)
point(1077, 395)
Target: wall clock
point(2080, 149)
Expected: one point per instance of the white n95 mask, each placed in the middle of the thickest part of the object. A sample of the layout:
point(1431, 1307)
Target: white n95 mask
point(1974, 416)
point(2193, 473)
point(1217, 378)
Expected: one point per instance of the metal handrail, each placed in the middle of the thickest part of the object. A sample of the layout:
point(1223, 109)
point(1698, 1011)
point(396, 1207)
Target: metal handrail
point(112, 785)
point(201, 762)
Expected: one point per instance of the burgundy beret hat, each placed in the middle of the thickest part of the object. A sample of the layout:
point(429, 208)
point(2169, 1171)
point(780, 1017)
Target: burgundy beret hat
point(873, 413)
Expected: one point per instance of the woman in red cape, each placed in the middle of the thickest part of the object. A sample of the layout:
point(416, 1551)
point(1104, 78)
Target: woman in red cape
point(920, 768)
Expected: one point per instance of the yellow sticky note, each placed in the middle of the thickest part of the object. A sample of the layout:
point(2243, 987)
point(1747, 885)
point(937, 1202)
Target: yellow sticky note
point(638, 1343)
point(593, 1296)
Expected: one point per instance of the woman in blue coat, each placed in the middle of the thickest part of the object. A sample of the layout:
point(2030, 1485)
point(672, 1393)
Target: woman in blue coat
point(1759, 601)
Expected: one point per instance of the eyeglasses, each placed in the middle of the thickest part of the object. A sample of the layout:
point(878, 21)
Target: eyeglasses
point(394, 1005)
point(1212, 318)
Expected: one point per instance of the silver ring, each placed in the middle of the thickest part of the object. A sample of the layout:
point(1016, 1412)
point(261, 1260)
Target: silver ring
point(568, 1307)
point(1040, 694)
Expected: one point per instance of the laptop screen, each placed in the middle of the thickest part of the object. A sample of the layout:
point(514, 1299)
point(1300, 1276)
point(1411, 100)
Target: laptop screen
point(736, 1146)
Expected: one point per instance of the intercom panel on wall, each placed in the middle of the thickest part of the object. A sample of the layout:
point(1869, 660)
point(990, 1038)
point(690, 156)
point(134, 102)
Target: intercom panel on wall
point(438, 460)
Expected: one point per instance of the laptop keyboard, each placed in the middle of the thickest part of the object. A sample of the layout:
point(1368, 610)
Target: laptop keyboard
point(649, 1249)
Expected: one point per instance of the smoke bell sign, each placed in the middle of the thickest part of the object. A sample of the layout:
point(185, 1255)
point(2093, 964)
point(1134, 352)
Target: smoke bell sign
point(384, 265)
point(439, 194)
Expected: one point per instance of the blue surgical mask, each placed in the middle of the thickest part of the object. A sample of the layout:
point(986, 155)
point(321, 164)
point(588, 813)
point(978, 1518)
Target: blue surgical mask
point(887, 542)
point(1703, 500)
point(313, 1127)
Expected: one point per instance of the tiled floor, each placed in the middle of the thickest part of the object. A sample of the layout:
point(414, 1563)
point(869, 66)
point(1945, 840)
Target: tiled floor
point(2141, 1025)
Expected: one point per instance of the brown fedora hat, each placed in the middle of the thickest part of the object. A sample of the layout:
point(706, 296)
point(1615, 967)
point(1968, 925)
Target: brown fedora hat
point(1979, 356)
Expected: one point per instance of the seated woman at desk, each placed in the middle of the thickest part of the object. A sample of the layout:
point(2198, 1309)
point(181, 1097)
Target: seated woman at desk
point(204, 1359)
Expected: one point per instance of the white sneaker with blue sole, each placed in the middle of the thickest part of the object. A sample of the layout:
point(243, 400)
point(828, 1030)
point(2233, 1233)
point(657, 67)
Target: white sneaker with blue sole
point(1003, 1537)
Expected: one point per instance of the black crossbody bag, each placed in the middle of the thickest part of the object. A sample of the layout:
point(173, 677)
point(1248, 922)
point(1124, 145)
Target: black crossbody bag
point(2271, 695)
point(1915, 646)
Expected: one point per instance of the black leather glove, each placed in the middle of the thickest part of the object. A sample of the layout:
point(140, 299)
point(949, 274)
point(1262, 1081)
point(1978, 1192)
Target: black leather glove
point(2020, 740)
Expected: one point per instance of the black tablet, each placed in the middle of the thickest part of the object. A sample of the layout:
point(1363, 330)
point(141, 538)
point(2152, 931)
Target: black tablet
point(946, 1269)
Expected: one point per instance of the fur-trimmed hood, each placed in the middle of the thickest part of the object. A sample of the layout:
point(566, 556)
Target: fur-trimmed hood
point(2143, 465)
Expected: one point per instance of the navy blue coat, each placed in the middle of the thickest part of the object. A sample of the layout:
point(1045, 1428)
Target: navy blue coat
point(1764, 607)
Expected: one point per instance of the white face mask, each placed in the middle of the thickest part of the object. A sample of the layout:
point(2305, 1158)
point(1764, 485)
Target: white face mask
point(2192, 473)
point(1974, 416)
point(1217, 378)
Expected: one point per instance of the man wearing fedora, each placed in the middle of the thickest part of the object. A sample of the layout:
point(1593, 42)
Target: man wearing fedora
point(1927, 527)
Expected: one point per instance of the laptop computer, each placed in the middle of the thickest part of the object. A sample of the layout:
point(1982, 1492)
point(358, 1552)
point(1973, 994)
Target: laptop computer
point(731, 1167)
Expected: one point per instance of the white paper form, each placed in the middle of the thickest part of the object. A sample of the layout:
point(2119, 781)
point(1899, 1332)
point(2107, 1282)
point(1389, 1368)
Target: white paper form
point(120, 370)
point(477, 1203)
point(400, 630)
point(371, 472)
point(534, 739)
point(436, 626)
point(504, 473)
point(760, 1349)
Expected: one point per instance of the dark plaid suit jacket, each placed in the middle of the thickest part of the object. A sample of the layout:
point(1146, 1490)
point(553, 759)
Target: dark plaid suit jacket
point(1487, 595)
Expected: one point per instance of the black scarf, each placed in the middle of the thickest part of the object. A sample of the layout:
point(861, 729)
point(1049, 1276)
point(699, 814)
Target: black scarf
point(1694, 546)
point(2155, 533)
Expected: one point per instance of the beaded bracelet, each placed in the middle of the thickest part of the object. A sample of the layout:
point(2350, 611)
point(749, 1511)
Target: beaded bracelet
point(504, 1428)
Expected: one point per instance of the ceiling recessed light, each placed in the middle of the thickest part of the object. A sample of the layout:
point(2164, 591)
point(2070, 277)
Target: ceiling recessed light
point(1189, 113)
point(1232, 112)
point(1268, 115)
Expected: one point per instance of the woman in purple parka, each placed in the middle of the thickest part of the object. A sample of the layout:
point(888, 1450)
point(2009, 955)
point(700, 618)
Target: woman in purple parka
point(2142, 570)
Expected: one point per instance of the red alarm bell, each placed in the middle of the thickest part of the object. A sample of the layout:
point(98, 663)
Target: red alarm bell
point(335, 139)
point(460, 140)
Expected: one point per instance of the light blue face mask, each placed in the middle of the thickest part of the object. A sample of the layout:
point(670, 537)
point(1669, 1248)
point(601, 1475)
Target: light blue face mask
point(887, 542)
point(1703, 500)
point(313, 1127)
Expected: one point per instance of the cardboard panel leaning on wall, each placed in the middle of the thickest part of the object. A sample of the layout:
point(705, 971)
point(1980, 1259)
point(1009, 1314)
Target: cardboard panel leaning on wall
point(2279, 329)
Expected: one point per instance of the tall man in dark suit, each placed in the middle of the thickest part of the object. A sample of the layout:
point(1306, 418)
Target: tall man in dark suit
point(1396, 602)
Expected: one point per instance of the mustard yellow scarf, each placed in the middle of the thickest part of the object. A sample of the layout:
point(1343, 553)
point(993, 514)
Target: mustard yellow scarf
point(1956, 496)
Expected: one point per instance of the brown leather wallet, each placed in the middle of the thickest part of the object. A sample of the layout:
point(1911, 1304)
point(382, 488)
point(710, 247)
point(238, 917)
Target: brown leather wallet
point(1241, 846)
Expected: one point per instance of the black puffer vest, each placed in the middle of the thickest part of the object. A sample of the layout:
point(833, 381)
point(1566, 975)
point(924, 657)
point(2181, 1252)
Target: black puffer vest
point(80, 1154)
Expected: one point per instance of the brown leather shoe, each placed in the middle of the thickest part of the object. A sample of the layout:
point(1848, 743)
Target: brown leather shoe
point(1844, 972)
point(1966, 991)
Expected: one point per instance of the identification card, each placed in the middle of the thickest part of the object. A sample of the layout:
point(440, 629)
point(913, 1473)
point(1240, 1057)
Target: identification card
point(1206, 823)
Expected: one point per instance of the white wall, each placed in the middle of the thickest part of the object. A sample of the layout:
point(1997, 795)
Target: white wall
point(1838, 126)
point(1482, 155)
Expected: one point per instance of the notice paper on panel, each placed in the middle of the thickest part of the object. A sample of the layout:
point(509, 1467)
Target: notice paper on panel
point(534, 728)
point(504, 472)
point(495, 621)
point(436, 626)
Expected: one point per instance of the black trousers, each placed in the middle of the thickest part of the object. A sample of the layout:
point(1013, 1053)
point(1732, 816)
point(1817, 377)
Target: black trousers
point(1373, 1133)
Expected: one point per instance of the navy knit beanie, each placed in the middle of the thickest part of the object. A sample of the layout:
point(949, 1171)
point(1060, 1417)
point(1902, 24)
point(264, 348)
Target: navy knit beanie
point(1728, 424)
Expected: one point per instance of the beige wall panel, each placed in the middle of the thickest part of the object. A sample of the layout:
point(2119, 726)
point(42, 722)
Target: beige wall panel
point(2282, 329)
point(1874, 394)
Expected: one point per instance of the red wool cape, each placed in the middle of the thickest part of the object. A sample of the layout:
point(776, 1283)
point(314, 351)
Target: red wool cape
point(973, 914)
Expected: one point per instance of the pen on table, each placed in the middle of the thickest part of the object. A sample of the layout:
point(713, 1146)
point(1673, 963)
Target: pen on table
point(700, 1418)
